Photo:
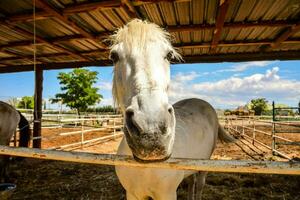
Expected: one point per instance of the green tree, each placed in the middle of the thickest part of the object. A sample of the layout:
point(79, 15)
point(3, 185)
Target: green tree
point(77, 89)
point(259, 105)
point(26, 102)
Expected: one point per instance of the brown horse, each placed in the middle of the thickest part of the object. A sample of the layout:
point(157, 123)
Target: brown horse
point(10, 118)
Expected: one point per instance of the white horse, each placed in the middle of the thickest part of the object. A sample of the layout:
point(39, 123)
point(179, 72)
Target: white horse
point(154, 129)
point(10, 118)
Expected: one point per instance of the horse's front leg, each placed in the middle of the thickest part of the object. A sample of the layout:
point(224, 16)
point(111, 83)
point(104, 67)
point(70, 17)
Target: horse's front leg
point(200, 182)
point(195, 185)
point(191, 182)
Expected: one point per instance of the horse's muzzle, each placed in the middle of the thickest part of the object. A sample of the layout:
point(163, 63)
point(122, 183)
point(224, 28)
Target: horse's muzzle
point(148, 147)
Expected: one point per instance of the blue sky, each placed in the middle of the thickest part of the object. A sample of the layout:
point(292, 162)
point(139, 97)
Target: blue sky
point(224, 85)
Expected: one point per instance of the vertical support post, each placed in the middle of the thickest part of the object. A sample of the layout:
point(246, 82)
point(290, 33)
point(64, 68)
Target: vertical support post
point(273, 145)
point(38, 104)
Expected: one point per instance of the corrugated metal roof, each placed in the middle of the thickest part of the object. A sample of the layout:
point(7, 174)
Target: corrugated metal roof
point(249, 27)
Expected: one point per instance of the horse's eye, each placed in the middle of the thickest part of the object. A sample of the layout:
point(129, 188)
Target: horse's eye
point(114, 56)
point(169, 56)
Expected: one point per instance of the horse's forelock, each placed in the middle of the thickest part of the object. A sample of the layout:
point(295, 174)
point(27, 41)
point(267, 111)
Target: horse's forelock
point(136, 34)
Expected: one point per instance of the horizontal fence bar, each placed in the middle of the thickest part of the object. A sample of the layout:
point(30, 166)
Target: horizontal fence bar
point(286, 108)
point(256, 130)
point(88, 141)
point(288, 132)
point(282, 154)
point(257, 141)
point(289, 143)
point(266, 167)
point(282, 138)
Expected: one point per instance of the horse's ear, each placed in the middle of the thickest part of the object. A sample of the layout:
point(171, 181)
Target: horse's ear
point(175, 56)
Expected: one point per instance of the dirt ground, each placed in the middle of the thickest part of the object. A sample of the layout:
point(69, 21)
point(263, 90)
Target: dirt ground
point(37, 179)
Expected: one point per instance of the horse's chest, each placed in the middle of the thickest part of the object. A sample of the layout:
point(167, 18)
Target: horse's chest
point(146, 180)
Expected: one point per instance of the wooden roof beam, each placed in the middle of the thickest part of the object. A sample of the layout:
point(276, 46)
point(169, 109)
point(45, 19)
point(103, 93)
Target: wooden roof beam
point(39, 15)
point(30, 57)
point(232, 43)
point(45, 6)
point(284, 36)
point(54, 65)
point(179, 45)
point(89, 6)
point(223, 8)
point(17, 56)
point(182, 46)
point(240, 57)
point(230, 57)
point(130, 9)
point(20, 57)
point(16, 44)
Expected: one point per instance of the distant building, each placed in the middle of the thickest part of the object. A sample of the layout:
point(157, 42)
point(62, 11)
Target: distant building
point(241, 111)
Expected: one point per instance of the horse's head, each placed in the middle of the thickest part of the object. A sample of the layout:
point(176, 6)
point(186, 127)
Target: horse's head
point(141, 53)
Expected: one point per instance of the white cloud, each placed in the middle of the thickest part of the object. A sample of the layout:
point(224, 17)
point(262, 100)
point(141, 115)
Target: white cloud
point(106, 102)
point(236, 91)
point(185, 76)
point(246, 65)
point(104, 85)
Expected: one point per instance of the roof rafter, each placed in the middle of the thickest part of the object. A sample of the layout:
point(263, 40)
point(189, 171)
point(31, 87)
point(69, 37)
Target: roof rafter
point(130, 9)
point(284, 36)
point(223, 8)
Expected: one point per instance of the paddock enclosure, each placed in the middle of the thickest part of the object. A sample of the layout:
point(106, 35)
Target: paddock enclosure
point(39, 35)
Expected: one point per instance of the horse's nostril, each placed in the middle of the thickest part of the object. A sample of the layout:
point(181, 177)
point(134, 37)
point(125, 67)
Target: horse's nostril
point(129, 113)
point(170, 110)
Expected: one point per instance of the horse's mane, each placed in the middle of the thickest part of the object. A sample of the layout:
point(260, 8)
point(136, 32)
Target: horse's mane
point(134, 36)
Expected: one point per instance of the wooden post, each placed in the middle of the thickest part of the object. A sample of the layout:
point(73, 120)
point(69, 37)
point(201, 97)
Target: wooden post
point(243, 126)
point(38, 96)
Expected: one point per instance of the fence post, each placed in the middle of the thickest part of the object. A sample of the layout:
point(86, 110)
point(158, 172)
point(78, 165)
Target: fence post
point(15, 138)
point(114, 128)
point(273, 145)
point(253, 135)
point(82, 137)
point(243, 128)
